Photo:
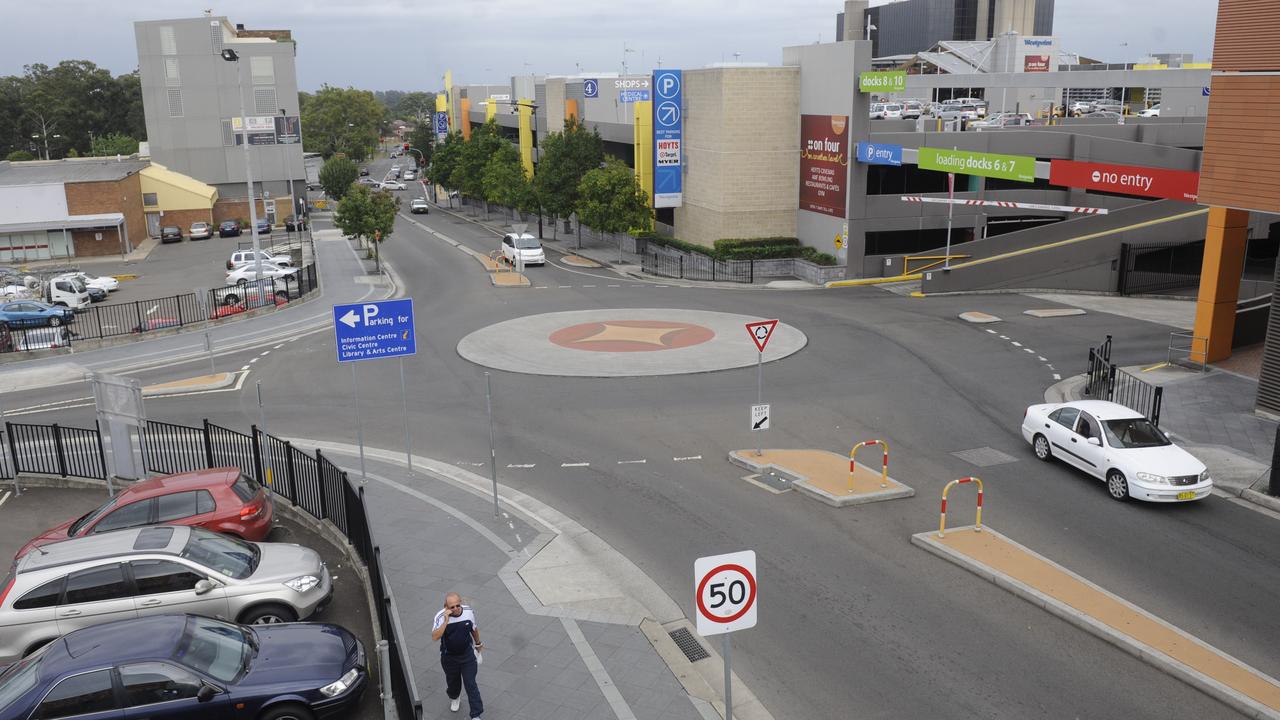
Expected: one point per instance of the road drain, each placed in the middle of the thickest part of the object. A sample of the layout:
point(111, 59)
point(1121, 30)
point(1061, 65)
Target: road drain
point(689, 645)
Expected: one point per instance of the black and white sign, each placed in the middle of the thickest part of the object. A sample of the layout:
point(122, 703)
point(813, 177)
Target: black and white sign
point(760, 417)
point(725, 592)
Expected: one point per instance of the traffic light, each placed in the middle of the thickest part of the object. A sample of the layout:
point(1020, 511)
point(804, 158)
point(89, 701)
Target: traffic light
point(406, 147)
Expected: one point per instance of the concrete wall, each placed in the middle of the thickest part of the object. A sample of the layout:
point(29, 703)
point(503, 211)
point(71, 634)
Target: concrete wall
point(742, 163)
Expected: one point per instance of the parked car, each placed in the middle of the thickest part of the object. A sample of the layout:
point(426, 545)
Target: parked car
point(1080, 107)
point(877, 111)
point(1002, 120)
point(248, 273)
point(170, 234)
point(410, 175)
point(188, 666)
point(96, 294)
point(364, 171)
point(419, 206)
point(263, 227)
point(912, 109)
point(294, 224)
point(370, 182)
point(1153, 111)
point(33, 313)
point(200, 231)
point(392, 185)
point(892, 111)
point(528, 247)
point(157, 322)
point(106, 282)
point(36, 338)
point(958, 112)
point(229, 228)
point(156, 569)
point(245, 257)
point(233, 304)
point(1118, 446)
point(221, 499)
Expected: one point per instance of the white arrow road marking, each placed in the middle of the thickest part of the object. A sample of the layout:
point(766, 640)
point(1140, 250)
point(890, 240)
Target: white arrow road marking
point(686, 459)
point(349, 319)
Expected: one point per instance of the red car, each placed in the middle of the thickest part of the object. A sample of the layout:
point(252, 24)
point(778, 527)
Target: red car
point(221, 499)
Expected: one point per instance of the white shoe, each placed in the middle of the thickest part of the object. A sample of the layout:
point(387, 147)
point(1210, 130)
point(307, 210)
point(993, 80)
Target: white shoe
point(455, 703)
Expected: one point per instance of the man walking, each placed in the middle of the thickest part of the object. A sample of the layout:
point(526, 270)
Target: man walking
point(455, 628)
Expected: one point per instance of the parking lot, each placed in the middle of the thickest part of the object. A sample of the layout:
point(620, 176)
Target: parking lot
point(25, 516)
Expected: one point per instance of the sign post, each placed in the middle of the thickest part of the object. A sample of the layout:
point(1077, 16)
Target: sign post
point(668, 134)
point(372, 331)
point(725, 596)
point(760, 333)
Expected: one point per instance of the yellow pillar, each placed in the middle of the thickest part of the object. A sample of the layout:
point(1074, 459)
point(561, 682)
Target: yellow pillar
point(490, 109)
point(571, 109)
point(526, 135)
point(643, 145)
point(464, 117)
point(1224, 246)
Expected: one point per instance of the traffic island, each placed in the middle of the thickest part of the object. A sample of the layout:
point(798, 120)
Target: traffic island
point(200, 383)
point(579, 261)
point(508, 279)
point(824, 475)
point(1044, 583)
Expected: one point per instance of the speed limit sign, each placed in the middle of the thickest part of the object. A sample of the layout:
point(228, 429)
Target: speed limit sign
point(725, 592)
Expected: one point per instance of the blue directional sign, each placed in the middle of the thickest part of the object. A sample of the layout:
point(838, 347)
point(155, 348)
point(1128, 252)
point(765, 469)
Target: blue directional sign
point(591, 88)
point(374, 330)
point(879, 153)
point(668, 130)
point(1204, 92)
point(631, 96)
point(442, 125)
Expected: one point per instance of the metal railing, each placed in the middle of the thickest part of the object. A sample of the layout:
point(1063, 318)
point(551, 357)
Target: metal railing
point(1154, 267)
point(695, 266)
point(56, 450)
point(1187, 343)
point(1098, 371)
point(1105, 381)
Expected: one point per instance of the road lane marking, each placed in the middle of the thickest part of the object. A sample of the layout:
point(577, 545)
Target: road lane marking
point(565, 287)
point(687, 459)
point(993, 332)
point(1004, 337)
point(632, 462)
point(5, 497)
point(1056, 376)
point(588, 286)
point(1015, 344)
point(569, 465)
point(1042, 359)
point(614, 286)
point(36, 412)
point(1033, 352)
point(524, 465)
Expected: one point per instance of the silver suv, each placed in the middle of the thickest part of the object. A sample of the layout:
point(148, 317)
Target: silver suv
point(76, 583)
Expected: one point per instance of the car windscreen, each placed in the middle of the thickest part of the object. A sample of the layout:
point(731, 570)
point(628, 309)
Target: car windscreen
point(19, 679)
point(215, 648)
point(1134, 433)
point(528, 243)
point(222, 553)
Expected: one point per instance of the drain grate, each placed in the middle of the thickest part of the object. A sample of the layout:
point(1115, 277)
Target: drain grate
point(985, 457)
point(770, 481)
point(689, 645)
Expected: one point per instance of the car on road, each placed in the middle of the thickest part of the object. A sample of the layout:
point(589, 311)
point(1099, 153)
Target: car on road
point(419, 206)
point(221, 499)
point(106, 282)
point(152, 570)
point(170, 234)
point(392, 185)
point(1119, 446)
point(528, 248)
point(245, 257)
point(229, 228)
point(33, 313)
point(200, 231)
point(248, 273)
point(263, 227)
point(410, 175)
point(1002, 120)
point(1153, 111)
point(369, 182)
point(187, 666)
point(364, 171)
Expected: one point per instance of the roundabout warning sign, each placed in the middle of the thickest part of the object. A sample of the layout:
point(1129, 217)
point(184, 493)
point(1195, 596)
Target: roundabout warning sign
point(725, 592)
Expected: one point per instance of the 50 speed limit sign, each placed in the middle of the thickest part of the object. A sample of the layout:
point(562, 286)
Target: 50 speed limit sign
point(724, 591)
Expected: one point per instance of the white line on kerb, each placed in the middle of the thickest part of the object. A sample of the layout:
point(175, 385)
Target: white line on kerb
point(587, 464)
point(632, 462)
point(686, 459)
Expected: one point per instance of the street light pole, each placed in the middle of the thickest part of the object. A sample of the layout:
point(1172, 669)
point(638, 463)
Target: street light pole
point(231, 56)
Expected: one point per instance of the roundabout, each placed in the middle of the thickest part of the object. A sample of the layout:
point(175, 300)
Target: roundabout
point(632, 342)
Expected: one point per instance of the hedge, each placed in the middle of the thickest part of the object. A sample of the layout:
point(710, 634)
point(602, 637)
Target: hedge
point(731, 244)
point(776, 248)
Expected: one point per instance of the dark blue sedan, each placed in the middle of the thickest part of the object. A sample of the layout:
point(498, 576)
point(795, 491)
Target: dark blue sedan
point(186, 666)
point(31, 313)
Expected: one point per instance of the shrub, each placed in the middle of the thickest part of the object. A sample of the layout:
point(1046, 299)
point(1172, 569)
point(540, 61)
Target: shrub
point(730, 244)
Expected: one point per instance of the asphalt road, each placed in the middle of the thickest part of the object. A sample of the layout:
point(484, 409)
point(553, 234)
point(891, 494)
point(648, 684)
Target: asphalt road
point(854, 621)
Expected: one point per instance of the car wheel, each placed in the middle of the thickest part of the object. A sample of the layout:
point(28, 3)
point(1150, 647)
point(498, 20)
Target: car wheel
point(1117, 486)
point(286, 712)
point(1041, 446)
point(230, 299)
point(268, 615)
point(55, 321)
point(242, 282)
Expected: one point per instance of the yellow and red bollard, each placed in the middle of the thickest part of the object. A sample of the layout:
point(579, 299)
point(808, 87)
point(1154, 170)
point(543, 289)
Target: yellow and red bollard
point(884, 465)
point(942, 522)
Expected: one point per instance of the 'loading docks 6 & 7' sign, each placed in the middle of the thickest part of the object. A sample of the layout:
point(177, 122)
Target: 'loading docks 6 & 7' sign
point(824, 163)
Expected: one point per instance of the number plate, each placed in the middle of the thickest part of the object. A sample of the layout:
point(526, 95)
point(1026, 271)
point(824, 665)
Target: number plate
point(1188, 495)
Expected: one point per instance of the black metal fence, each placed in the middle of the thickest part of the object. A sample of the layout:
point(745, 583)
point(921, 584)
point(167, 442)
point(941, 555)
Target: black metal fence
point(56, 450)
point(1099, 362)
point(1105, 381)
point(1157, 267)
point(694, 266)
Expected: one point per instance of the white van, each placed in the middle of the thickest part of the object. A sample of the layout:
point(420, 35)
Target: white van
point(66, 291)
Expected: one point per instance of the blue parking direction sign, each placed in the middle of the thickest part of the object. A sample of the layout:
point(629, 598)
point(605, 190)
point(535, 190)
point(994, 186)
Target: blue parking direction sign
point(668, 136)
point(374, 330)
point(591, 88)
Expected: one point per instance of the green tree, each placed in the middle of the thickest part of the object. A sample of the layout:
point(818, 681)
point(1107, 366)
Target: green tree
point(567, 156)
point(416, 106)
point(504, 181)
point(444, 159)
point(19, 156)
point(369, 215)
point(113, 144)
point(610, 200)
point(337, 175)
point(423, 139)
point(468, 174)
point(342, 120)
point(67, 103)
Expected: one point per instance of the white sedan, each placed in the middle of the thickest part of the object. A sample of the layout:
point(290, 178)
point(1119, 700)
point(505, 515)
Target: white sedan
point(245, 273)
point(392, 185)
point(1116, 445)
point(104, 282)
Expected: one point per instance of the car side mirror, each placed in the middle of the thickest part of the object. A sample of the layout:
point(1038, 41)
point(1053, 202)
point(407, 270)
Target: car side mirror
point(1095, 441)
point(207, 692)
point(204, 586)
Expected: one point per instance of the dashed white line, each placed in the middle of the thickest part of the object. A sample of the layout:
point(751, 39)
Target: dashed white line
point(1056, 376)
point(993, 332)
point(4, 497)
point(564, 287)
point(1042, 359)
point(1004, 337)
point(632, 462)
point(566, 465)
point(244, 367)
point(1015, 344)
point(1033, 352)
point(265, 353)
point(254, 360)
point(539, 287)
point(687, 459)
point(522, 465)
point(613, 286)
point(469, 464)
point(277, 347)
point(588, 286)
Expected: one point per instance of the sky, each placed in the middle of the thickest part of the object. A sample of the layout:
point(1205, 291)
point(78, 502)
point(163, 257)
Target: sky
point(408, 44)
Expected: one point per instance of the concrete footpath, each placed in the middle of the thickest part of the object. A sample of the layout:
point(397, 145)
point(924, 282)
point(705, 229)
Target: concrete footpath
point(572, 629)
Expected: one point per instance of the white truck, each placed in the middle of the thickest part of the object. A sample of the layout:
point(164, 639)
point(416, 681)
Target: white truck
point(66, 291)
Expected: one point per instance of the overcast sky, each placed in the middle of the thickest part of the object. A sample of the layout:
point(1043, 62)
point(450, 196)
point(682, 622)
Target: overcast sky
point(408, 44)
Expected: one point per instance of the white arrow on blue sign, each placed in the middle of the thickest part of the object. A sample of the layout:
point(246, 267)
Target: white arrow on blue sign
point(374, 330)
point(669, 114)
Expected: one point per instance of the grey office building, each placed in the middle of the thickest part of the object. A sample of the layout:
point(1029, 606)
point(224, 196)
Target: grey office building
point(192, 106)
point(912, 26)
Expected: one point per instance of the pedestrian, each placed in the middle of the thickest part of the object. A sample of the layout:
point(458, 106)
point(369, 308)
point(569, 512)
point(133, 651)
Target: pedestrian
point(455, 628)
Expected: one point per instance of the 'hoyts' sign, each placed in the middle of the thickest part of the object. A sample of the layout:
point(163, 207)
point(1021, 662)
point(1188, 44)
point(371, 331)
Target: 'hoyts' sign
point(1127, 179)
point(887, 82)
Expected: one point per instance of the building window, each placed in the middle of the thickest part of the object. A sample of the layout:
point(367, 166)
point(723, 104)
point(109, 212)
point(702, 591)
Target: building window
point(228, 134)
point(149, 199)
point(215, 35)
point(263, 69)
point(171, 74)
point(264, 101)
point(168, 45)
point(175, 102)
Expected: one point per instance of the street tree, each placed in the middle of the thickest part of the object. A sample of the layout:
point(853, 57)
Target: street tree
point(416, 106)
point(566, 157)
point(67, 105)
point(342, 120)
point(467, 176)
point(337, 175)
point(423, 139)
point(369, 215)
point(113, 144)
point(19, 156)
point(504, 181)
point(444, 159)
point(610, 200)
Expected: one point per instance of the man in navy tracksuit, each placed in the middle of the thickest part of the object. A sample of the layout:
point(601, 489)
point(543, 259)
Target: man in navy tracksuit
point(455, 628)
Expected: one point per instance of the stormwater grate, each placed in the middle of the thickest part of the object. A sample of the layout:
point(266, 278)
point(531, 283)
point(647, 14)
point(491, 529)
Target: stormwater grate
point(689, 645)
point(771, 481)
point(985, 457)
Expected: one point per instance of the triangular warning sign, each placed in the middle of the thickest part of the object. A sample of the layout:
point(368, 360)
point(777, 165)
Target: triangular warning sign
point(761, 332)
